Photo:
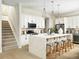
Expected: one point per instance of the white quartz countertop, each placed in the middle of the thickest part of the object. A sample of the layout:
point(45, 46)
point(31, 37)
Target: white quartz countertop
point(51, 36)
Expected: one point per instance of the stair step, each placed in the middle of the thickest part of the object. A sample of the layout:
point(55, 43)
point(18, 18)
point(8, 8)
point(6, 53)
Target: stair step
point(6, 37)
point(6, 31)
point(7, 48)
point(6, 28)
point(5, 25)
point(8, 40)
point(5, 22)
point(10, 33)
point(9, 43)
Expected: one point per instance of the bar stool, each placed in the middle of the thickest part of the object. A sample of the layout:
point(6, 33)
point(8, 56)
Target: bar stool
point(48, 47)
point(70, 42)
point(54, 46)
point(61, 44)
point(51, 48)
point(58, 45)
point(50, 44)
point(64, 43)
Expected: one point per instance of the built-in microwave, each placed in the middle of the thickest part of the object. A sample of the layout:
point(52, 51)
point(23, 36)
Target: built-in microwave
point(31, 25)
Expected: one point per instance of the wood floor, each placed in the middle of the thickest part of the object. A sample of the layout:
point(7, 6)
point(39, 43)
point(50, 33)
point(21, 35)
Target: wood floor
point(23, 54)
point(17, 54)
point(72, 54)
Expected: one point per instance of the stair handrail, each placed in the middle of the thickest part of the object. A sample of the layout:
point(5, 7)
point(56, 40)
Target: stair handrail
point(14, 31)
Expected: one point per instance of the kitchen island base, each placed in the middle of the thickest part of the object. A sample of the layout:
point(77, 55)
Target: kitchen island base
point(50, 46)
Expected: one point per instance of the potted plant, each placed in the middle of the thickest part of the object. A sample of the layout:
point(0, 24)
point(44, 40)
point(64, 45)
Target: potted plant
point(53, 30)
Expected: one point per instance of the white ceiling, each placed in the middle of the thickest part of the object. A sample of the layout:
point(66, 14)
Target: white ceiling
point(66, 6)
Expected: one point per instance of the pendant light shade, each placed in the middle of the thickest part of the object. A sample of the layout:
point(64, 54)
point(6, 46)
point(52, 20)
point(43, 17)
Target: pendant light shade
point(44, 9)
point(44, 12)
point(58, 5)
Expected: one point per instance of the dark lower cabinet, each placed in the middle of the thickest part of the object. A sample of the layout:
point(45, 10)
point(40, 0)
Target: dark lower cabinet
point(76, 38)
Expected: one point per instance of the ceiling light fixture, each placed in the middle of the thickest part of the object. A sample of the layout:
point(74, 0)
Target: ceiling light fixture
point(52, 7)
point(58, 6)
point(44, 9)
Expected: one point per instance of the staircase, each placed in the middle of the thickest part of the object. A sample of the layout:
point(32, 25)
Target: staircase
point(8, 39)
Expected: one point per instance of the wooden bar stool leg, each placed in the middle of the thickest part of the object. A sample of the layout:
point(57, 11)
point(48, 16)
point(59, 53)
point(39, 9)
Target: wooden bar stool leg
point(58, 49)
point(68, 44)
point(65, 46)
point(48, 49)
point(73, 44)
point(54, 52)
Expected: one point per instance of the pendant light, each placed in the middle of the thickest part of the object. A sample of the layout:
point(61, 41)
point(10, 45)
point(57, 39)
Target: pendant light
point(44, 12)
point(52, 7)
point(58, 6)
point(44, 9)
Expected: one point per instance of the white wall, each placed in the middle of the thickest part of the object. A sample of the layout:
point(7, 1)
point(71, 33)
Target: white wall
point(0, 27)
point(59, 20)
point(0, 36)
point(51, 21)
point(0, 9)
point(13, 15)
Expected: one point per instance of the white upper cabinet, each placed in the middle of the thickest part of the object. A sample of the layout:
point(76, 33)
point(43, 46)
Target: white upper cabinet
point(39, 21)
point(71, 22)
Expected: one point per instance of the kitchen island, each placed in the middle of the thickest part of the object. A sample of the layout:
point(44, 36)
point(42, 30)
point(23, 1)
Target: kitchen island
point(37, 43)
